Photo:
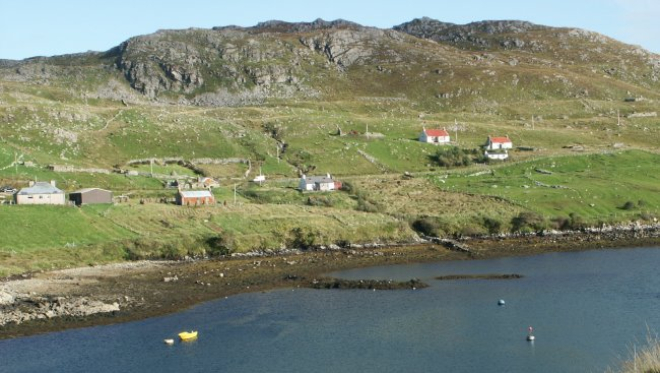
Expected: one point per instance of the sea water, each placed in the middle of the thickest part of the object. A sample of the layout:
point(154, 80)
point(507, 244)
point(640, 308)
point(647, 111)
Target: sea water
point(589, 310)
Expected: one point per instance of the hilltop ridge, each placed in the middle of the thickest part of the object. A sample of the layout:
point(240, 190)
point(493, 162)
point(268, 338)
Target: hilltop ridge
point(233, 65)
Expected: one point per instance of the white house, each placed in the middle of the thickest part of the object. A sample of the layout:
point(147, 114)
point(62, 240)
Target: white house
point(40, 193)
point(495, 143)
point(497, 148)
point(434, 136)
point(318, 183)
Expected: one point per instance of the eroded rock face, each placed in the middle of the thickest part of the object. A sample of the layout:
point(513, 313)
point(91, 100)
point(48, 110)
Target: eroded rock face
point(482, 34)
point(177, 69)
point(344, 47)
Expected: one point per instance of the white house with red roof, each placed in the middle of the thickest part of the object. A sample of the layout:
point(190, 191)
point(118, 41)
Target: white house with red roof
point(434, 136)
point(494, 143)
point(496, 147)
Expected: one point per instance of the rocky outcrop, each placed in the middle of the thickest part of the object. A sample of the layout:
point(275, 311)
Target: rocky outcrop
point(346, 47)
point(295, 27)
point(176, 70)
point(19, 308)
point(482, 35)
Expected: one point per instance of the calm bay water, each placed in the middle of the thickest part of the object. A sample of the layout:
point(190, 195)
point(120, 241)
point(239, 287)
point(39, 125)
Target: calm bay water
point(588, 310)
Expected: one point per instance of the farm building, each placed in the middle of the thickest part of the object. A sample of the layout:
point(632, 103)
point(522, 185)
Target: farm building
point(496, 147)
point(194, 198)
point(318, 183)
point(495, 143)
point(90, 196)
point(40, 193)
point(206, 182)
point(434, 136)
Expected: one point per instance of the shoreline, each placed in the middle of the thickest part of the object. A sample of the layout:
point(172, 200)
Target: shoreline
point(133, 291)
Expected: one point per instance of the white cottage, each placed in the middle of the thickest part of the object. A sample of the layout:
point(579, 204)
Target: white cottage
point(434, 136)
point(497, 148)
point(40, 193)
point(318, 183)
point(495, 143)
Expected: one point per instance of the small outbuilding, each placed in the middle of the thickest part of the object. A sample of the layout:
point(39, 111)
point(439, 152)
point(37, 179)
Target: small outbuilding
point(90, 196)
point(206, 182)
point(194, 198)
point(40, 193)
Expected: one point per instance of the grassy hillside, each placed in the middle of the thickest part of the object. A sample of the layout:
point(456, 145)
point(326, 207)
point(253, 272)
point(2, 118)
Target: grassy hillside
point(318, 98)
point(606, 188)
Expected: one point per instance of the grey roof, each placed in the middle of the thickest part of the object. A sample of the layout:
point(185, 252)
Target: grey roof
point(41, 187)
point(195, 193)
point(85, 190)
point(318, 179)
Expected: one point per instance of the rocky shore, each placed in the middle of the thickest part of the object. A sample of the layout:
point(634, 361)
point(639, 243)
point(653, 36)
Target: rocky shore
point(52, 301)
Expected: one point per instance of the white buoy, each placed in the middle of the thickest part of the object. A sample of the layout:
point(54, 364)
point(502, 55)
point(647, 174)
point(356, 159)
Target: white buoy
point(501, 302)
point(169, 341)
point(530, 336)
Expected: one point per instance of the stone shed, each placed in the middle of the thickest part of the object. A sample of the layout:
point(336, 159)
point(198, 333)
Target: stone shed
point(90, 196)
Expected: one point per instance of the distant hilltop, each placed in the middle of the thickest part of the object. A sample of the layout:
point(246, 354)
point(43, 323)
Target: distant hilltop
point(423, 59)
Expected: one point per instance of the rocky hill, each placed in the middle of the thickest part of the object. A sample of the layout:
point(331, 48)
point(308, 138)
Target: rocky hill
point(424, 60)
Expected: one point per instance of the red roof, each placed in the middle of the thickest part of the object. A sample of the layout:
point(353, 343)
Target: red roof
point(436, 133)
point(499, 139)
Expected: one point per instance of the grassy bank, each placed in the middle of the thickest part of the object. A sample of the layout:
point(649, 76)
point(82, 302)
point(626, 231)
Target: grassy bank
point(47, 237)
point(645, 359)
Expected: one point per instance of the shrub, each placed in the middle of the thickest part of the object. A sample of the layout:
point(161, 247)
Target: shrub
point(302, 239)
point(452, 157)
point(221, 245)
point(573, 222)
point(426, 225)
point(493, 225)
point(347, 186)
point(528, 222)
point(629, 205)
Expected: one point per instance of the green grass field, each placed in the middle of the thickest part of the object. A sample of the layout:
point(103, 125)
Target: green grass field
point(596, 186)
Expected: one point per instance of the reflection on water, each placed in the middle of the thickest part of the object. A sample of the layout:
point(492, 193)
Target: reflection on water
point(587, 310)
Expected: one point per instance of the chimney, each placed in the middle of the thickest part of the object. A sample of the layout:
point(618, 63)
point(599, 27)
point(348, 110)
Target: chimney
point(30, 183)
point(328, 175)
point(52, 182)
